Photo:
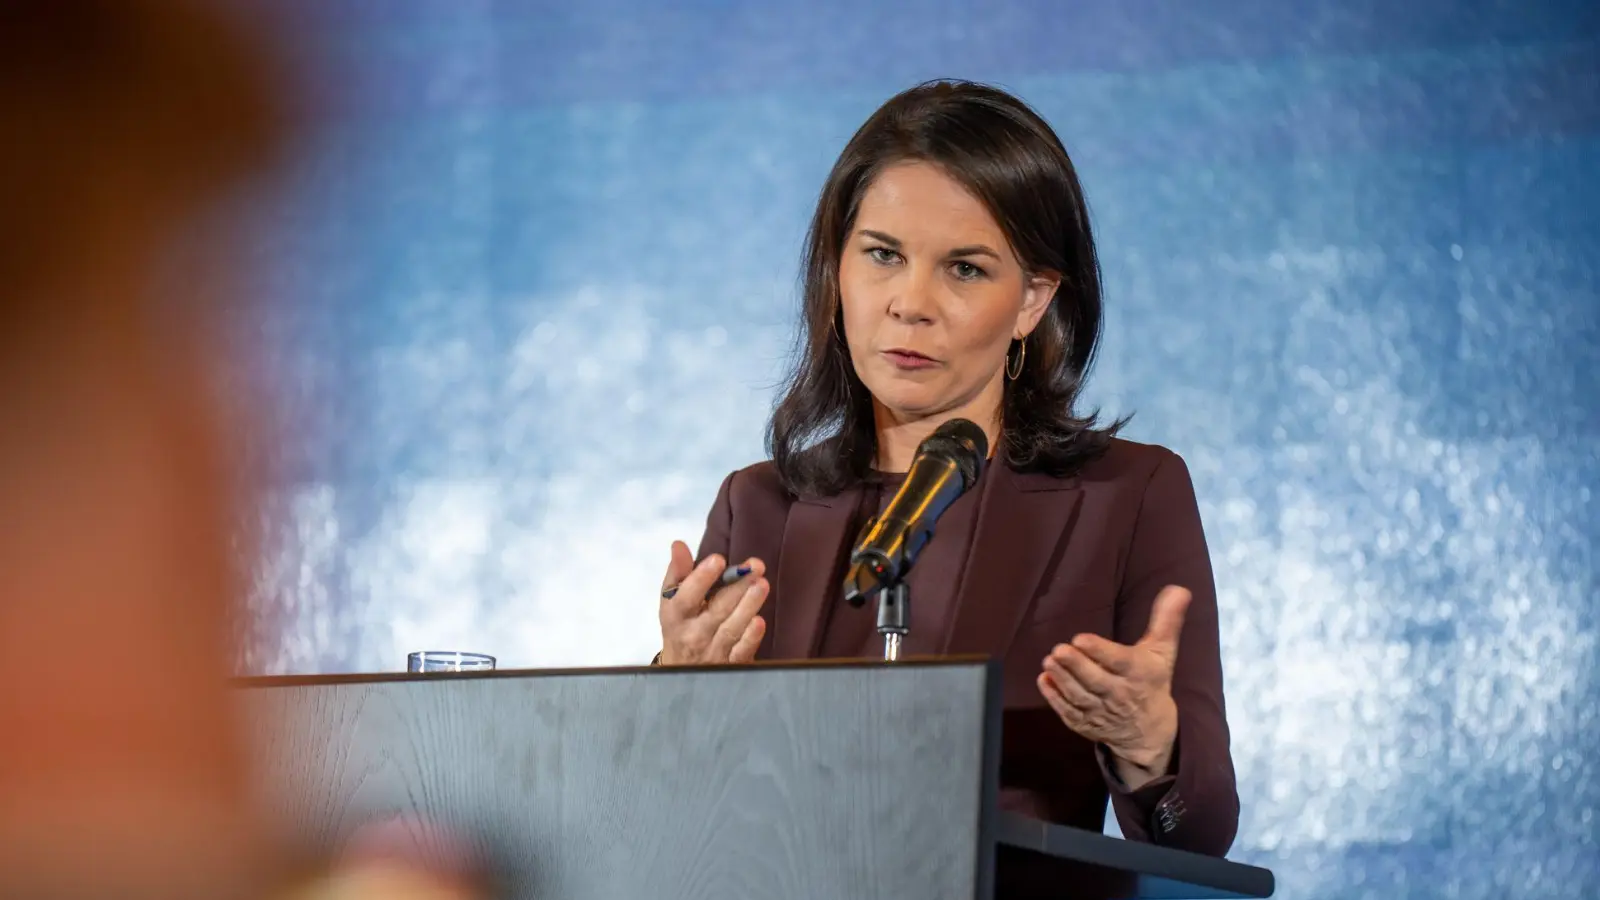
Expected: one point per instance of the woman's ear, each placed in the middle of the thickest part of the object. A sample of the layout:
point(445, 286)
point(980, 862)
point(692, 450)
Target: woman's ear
point(1036, 297)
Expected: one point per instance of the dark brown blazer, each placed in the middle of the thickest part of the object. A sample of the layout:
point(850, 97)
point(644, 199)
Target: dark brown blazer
point(1051, 558)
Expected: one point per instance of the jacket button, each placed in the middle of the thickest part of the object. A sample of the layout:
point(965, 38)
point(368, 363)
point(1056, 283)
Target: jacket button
point(1170, 812)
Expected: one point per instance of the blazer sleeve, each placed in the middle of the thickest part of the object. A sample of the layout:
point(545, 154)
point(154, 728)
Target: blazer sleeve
point(719, 522)
point(1196, 805)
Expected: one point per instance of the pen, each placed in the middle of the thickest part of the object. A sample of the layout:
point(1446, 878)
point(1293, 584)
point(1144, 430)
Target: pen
point(729, 576)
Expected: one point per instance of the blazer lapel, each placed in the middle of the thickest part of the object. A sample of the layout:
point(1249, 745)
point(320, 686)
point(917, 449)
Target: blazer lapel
point(1021, 534)
point(809, 573)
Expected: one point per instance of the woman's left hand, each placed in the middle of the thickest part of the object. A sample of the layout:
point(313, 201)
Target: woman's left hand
point(1121, 696)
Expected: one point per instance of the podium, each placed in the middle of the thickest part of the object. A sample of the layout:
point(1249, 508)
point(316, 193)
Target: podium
point(771, 781)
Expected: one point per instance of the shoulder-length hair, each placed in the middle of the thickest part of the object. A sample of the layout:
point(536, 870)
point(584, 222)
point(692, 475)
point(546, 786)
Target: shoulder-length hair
point(821, 436)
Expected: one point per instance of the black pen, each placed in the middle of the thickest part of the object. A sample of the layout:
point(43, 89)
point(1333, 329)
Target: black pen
point(729, 576)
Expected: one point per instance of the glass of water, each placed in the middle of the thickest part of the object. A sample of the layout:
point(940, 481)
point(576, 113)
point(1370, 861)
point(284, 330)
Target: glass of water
point(448, 661)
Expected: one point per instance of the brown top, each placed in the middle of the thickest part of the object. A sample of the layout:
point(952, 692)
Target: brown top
point(1021, 563)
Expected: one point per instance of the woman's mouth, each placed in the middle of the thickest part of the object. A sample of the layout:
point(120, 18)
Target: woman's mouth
point(902, 358)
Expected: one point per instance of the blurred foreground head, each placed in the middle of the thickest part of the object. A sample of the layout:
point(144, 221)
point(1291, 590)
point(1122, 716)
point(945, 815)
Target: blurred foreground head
point(123, 124)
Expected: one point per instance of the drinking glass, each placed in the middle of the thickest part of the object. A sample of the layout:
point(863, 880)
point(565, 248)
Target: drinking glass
point(448, 661)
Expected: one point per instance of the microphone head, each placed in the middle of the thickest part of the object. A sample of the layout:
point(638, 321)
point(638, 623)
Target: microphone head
point(961, 442)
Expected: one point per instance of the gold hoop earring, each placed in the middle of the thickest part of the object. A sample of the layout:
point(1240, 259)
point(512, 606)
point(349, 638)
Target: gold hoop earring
point(1022, 356)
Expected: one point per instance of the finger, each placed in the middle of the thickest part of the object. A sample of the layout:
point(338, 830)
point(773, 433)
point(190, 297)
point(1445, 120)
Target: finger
point(732, 629)
point(1086, 671)
point(745, 650)
point(725, 598)
point(1109, 655)
point(1166, 622)
point(691, 595)
point(681, 564)
point(1070, 688)
point(1068, 714)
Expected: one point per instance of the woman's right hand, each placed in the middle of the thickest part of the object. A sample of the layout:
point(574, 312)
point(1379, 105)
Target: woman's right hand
point(720, 628)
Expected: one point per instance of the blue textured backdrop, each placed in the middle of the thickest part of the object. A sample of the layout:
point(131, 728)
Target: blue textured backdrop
point(532, 287)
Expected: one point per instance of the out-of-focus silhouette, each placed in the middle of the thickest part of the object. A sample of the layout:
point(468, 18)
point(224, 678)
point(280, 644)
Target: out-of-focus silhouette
point(124, 125)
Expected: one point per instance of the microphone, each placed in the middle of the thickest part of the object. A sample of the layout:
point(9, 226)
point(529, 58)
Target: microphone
point(945, 466)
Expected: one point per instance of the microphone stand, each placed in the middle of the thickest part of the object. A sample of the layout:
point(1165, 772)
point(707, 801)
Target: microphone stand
point(894, 618)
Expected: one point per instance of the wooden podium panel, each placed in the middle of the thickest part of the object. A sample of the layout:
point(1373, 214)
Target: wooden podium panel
point(763, 782)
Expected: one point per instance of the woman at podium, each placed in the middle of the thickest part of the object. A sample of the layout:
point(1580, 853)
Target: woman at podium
point(950, 273)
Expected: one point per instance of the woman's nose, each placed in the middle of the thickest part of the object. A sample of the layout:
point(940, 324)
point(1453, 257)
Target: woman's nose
point(913, 303)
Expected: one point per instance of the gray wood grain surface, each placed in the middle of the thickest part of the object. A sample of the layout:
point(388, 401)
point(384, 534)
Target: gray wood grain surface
point(756, 783)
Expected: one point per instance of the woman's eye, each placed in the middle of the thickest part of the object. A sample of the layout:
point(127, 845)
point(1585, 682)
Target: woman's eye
point(882, 255)
point(967, 271)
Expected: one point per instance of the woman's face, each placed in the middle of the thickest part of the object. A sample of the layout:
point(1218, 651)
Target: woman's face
point(933, 296)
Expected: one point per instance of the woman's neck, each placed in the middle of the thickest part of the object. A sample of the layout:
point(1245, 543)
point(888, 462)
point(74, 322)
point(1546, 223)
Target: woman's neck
point(899, 436)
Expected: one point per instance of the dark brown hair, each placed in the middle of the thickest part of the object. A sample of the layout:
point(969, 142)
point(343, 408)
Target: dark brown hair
point(821, 435)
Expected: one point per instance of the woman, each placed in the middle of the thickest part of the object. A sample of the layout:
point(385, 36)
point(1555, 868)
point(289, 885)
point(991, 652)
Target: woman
point(950, 272)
